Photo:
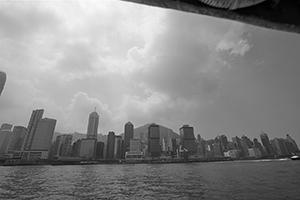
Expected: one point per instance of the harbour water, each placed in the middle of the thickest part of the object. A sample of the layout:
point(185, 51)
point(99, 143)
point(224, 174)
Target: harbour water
point(264, 179)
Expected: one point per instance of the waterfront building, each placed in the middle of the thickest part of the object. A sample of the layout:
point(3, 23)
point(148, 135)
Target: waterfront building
point(257, 144)
point(135, 144)
point(5, 138)
point(128, 135)
point(110, 145)
point(172, 145)
point(266, 143)
point(6, 126)
point(188, 139)
point(118, 147)
point(93, 122)
point(294, 146)
point(100, 150)
point(217, 151)
point(19, 133)
point(76, 148)
point(232, 153)
point(36, 116)
point(63, 145)
point(43, 135)
point(88, 148)
point(154, 148)
point(254, 152)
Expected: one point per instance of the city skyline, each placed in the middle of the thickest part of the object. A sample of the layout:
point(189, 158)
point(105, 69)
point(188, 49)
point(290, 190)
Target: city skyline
point(147, 65)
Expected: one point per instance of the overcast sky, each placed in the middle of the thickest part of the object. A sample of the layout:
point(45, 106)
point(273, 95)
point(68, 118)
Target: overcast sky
point(143, 64)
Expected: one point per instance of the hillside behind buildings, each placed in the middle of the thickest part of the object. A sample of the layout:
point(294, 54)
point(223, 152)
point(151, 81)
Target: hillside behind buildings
point(165, 132)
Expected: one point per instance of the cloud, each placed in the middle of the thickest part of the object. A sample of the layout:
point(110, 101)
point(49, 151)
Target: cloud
point(235, 41)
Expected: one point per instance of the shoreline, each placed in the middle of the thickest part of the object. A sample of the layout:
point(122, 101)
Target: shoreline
point(14, 162)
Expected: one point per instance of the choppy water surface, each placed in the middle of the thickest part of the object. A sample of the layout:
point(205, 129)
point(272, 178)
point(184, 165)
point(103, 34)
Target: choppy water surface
point(224, 180)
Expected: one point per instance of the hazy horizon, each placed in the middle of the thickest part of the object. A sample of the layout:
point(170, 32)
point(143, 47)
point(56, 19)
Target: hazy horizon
point(144, 64)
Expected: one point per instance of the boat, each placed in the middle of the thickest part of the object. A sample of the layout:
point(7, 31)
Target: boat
point(295, 158)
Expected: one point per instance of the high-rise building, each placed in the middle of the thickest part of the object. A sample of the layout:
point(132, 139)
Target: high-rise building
point(293, 142)
point(31, 128)
point(88, 149)
point(5, 138)
point(135, 144)
point(19, 133)
point(258, 145)
point(128, 135)
point(154, 148)
point(266, 143)
point(188, 139)
point(118, 147)
point(43, 135)
point(92, 129)
point(110, 145)
point(280, 147)
point(100, 150)
point(63, 145)
point(6, 126)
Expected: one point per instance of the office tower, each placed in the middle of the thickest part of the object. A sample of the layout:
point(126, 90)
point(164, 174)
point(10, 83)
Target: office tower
point(76, 148)
point(266, 143)
point(246, 144)
point(5, 138)
point(254, 152)
point(188, 139)
point(216, 148)
point(63, 145)
point(2, 81)
point(19, 133)
point(100, 150)
point(164, 145)
point(258, 145)
point(118, 147)
point(280, 147)
point(43, 135)
point(110, 145)
point(6, 126)
point(154, 148)
point(36, 115)
point(92, 129)
point(88, 149)
point(293, 142)
point(135, 144)
point(172, 145)
point(128, 135)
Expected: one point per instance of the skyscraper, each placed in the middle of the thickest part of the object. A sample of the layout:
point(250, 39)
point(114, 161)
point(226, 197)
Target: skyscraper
point(19, 133)
point(5, 137)
point(31, 128)
point(63, 146)
point(118, 147)
point(43, 135)
point(266, 143)
point(154, 148)
point(92, 129)
point(128, 135)
point(110, 145)
point(187, 138)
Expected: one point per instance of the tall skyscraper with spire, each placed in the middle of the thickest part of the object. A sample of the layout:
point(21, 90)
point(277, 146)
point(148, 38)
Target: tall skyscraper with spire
point(92, 129)
point(36, 116)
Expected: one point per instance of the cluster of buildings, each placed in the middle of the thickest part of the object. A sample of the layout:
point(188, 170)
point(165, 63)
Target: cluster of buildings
point(35, 142)
point(28, 143)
